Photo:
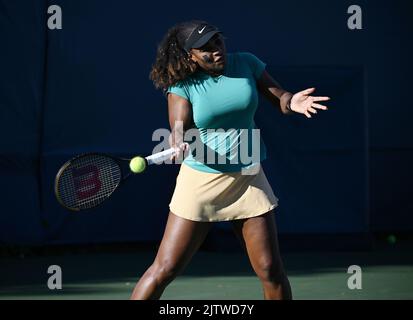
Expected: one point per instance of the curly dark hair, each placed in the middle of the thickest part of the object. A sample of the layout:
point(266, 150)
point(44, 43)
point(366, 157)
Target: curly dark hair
point(172, 62)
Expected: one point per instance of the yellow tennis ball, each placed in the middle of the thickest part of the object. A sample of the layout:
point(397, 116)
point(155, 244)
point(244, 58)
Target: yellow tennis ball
point(137, 165)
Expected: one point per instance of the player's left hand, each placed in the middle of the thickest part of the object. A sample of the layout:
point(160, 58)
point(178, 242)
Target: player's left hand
point(302, 102)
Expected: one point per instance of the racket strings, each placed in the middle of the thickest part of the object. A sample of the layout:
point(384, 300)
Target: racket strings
point(87, 181)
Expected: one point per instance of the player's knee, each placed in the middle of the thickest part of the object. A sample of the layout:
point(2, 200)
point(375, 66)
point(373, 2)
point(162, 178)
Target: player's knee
point(270, 271)
point(165, 271)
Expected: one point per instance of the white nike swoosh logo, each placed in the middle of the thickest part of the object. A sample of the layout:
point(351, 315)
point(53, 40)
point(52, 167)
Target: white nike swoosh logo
point(202, 30)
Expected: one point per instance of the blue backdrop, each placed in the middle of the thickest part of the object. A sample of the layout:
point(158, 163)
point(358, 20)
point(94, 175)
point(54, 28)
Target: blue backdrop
point(86, 88)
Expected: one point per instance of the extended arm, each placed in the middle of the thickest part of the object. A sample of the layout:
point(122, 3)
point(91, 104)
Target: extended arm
point(273, 91)
point(300, 102)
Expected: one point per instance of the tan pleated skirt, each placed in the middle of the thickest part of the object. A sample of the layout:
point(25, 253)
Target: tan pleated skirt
point(208, 197)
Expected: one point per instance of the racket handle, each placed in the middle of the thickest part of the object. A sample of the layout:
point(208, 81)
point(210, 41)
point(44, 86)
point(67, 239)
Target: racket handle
point(160, 156)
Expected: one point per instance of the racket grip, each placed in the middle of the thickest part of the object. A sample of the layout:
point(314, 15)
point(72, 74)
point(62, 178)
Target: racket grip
point(160, 156)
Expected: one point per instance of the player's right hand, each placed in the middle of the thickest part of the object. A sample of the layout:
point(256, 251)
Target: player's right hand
point(181, 152)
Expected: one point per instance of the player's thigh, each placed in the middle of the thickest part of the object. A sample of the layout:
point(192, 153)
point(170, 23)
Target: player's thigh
point(181, 239)
point(259, 237)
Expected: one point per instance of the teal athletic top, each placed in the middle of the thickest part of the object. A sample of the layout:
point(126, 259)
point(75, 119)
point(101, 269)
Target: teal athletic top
point(223, 110)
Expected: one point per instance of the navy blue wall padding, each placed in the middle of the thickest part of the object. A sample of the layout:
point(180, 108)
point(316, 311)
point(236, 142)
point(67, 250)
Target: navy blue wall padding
point(22, 65)
point(320, 164)
point(86, 88)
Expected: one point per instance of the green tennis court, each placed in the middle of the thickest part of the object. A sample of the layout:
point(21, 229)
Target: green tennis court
point(387, 273)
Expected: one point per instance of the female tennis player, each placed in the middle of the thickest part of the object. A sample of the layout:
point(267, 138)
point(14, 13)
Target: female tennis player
point(208, 88)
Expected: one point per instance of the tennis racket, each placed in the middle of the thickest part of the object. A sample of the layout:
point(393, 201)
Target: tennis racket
point(86, 181)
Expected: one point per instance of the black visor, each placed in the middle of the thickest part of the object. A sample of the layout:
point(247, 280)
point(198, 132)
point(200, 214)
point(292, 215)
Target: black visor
point(200, 36)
